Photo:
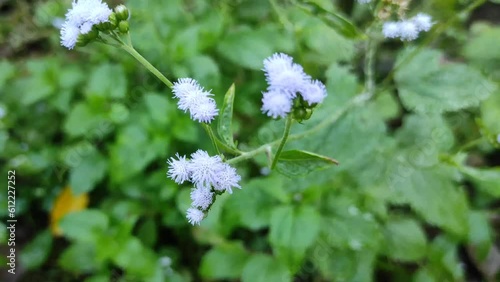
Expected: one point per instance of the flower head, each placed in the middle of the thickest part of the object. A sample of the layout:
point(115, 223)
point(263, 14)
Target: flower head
point(205, 168)
point(193, 98)
point(284, 75)
point(227, 178)
point(201, 197)
point(194, 216)
point(81, 18)
point(390, 29)
point(276, 104)
point(314, 92)
point(179, 170)
point(408, 30)
point(422, 21)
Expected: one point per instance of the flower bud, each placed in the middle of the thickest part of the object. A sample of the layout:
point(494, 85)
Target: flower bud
point(113, 20)
point(122, 13)
point(82, 40)
point(123, 27)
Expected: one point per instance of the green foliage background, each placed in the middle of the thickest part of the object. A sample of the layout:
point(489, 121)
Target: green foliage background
point(415, 197)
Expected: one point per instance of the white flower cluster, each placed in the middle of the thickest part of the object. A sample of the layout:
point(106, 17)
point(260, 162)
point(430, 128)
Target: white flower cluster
point(407, 30)
point(209, 175)
point(285, 80)
point(80, 19)
point(193, 98)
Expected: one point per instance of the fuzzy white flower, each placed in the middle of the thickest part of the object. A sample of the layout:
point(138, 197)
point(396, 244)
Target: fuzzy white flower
point(179, 170)
point(185, 86)
point(69, 35)
point(391, 30)
point(314, 92)
point(276, 104)
point(80, 19)
point(205, 110)
point(88, 11)
point(227, 178)
point(284, 75)
point(204, 168)
point(193, 98)
point(201, 197)
point(422, 21)
point(194, 216)
point(408, 30)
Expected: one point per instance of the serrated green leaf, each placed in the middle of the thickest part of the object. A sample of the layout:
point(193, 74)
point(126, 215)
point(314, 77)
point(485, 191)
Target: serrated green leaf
point(246, 48)
point(127, 258)
point(251, 207)
point(298, 162)
point(225, 124)
point(84, 226)
point(107, 80)
point(83, 120)
point(234, 257)
point(36, 252)
point(405, 240)
point(424, 188)
point(87, 172)
point(292, 232)
point(428, 85)
point(264, 268)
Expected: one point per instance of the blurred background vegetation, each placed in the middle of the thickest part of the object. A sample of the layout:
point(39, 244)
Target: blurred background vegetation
point(416, 196)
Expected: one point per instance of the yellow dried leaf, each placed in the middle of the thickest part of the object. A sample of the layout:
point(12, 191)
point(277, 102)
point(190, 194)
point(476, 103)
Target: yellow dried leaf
point(66, 203)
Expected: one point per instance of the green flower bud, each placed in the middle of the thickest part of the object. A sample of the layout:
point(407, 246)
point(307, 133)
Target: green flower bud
point(123, 27)
point(93, 33)
point(113, 20)
point(82, 40)
point(122, 13)
point(299, 114)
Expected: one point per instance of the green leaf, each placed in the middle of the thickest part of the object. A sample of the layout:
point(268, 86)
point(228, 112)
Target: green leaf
point(7, 70)
point(107, 80)
point(84, 225)
point(83, 120)
point(79, 258)
point(427, 85)
point(480, 234)
point(490, 112)
point(158, 107)
point(343, 265)
point(252, 206)
point(405, 240)
point(234, 257)
point(224, 126)
point(481, 48)
point(264, 268)
point(36, 252)
point(127, 258)
point(246, 48)
point(299, 163)
point(331, 18)
point(292, 231)
point(424, 188)
point(86, 173)
point(486, 180)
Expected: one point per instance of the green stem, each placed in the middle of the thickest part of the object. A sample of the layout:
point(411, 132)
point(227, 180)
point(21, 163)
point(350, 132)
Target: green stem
point(210, 133)
point(146, 64)
point(288, 125)
point(356, 101)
